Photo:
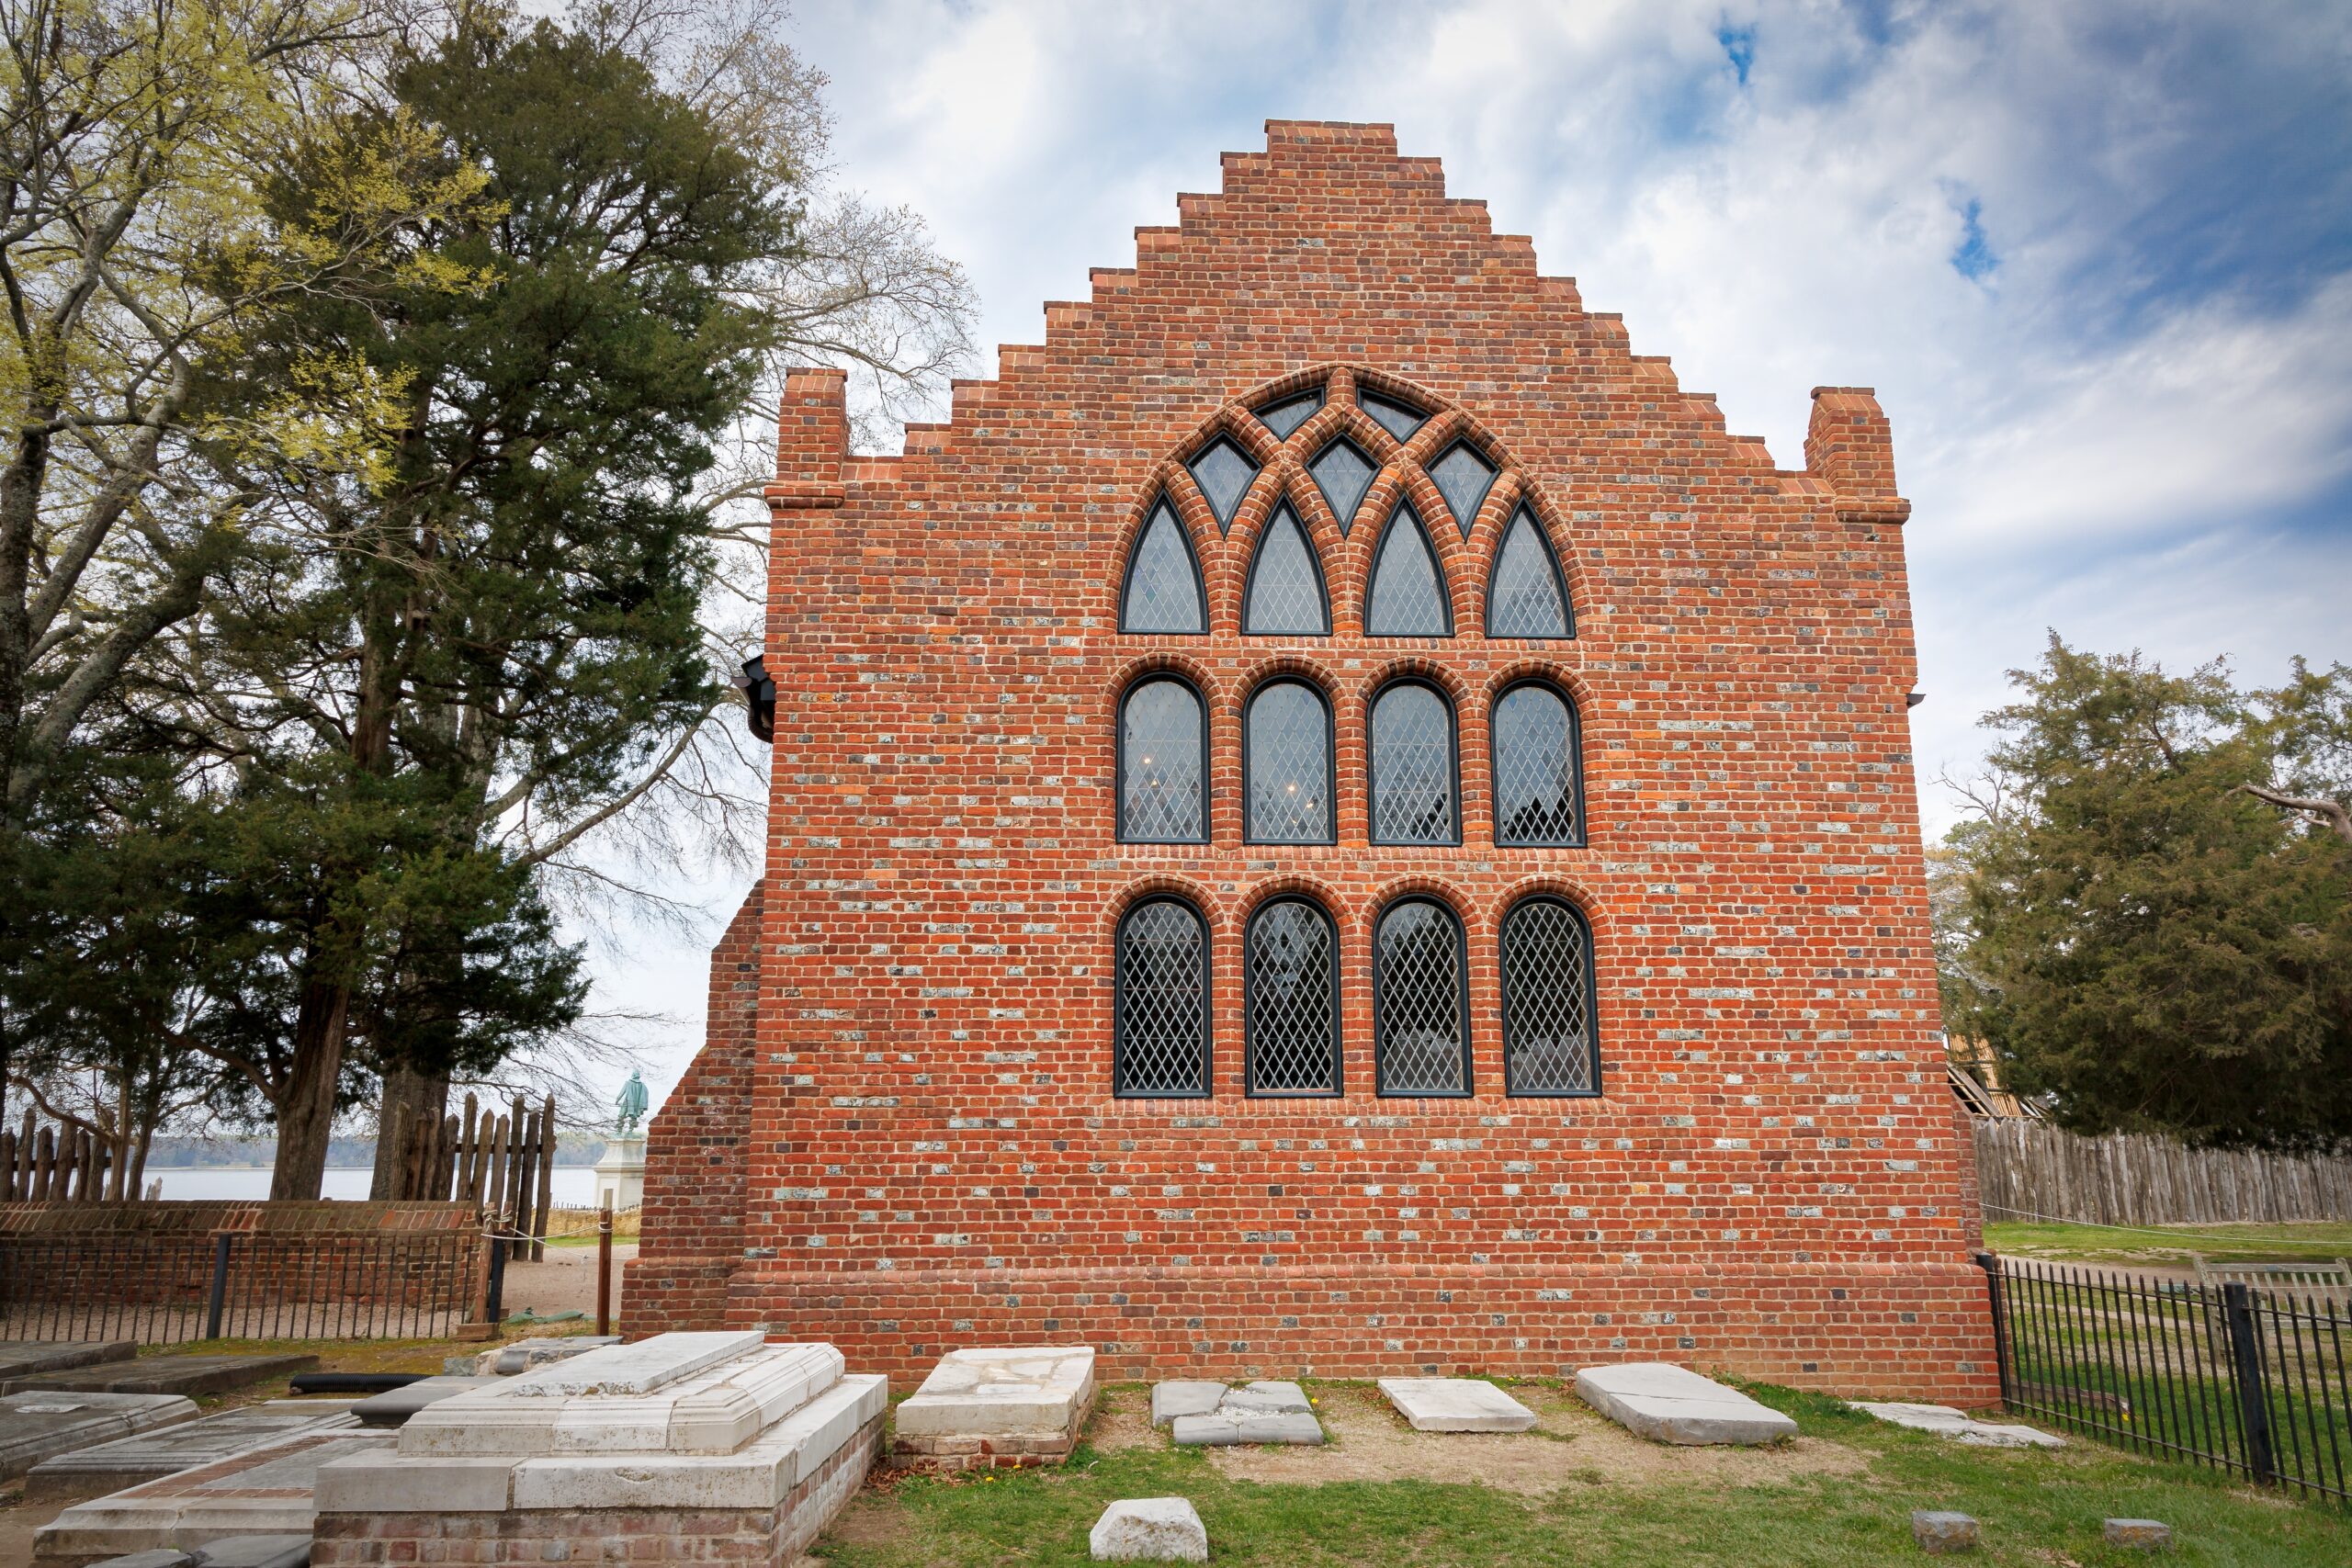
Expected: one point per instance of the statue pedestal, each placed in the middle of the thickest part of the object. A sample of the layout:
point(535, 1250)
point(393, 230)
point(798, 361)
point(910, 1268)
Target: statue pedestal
point(621, 1173)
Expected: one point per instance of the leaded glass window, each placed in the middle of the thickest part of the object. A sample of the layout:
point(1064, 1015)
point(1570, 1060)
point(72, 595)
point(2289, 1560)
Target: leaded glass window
point(1161, 1044)
point(1223, 471)
point(1420, 1009)
point(1525, 595)
point(1292, 987)
point(1287, 765)
point(1408, 596)
point(1163, 592)
point(1549, 1042)
point(1344, 474)
point(1539, 799)
point(1400, 420)
point(1413, 770)
point(1463, 478)
point(1285, 582)
point(1287, 415)
point(1163, 763)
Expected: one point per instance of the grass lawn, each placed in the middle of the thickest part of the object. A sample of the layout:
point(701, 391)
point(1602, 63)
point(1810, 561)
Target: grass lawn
point(2171, 1244)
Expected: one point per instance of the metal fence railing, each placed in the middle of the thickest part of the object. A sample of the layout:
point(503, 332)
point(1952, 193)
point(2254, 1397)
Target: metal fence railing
point(2247, 1379)
point(236, 1285)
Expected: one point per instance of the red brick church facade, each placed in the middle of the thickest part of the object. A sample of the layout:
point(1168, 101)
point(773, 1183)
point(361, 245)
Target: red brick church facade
point(1332, 821)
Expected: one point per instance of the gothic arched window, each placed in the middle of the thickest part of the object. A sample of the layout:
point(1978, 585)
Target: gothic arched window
point(1526, 595)
point(1284, 415)
point(1287, 778)
point(1539, 791)
point(1164, 591)
point(1160, 1043)
point(1286, 593)
point(1163, 777)
point(1463, 478)
point(1415, 778)
point(1420, 1008)
point(1408, 596)
point(1223, 471)
point(1291, 986)
point(1344, 474)
point(1550, 1044)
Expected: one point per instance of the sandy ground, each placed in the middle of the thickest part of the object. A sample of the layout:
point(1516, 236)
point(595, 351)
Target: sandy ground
point(564, 1281)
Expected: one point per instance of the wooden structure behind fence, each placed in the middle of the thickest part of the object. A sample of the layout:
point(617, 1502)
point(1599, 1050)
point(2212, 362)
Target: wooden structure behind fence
point(59, 1164)
point(2029, 1170)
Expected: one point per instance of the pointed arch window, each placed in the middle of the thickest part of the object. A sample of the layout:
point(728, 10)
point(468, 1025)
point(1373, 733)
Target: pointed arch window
point(1160, 1041)
point(1223, 471)
point(1526, 595)
point(1291, 984)
point(1551, 1043)
point(1163, 787)
point(1415, 781)
point(1399, 419)
point(1539, 787)
point(1164, 591)
point(1463, 478)
point(1420, 1008)
point(1344, 474)
point(1284, 415)
point(1286, 768)
point(1285, 596)
point(1407, 597)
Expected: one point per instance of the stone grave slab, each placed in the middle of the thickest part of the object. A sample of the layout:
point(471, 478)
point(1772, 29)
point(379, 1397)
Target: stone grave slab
point(1255, 1412)
point(1184, 1396)
point(1149, 1529)
point(127, 1461)
point(1674, 1404)
point(20, 1358)
point(395, 1405)
point(1455, 1404)
point(523, 1354)
point(1959, 1425)
point(987, 1407)
point(166, 1374)
point(39, 1424)
point(263, 1491)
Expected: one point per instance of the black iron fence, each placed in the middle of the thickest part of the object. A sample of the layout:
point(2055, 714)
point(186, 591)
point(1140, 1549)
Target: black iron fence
point(166, 1291)
point(2247, 1379)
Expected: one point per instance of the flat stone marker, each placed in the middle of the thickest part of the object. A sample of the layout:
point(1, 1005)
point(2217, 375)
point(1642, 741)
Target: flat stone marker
point(395, 1405)
point(639, 1368)
point(161, 1557)
point(1960, 1426)
point(265, 1491)
point(2142, 1535)
point(523, 1354)
point(1023, 1405)
point(1225, 1431)
point(1455, 1404)
point(1184, 1396)
point(166, 1374)
point(1149, 1529)
point(38, 1425)
point(19, 1358)
point(127, 1461)
point(253, 1551)
point(1202, 1414)
point(1674, 1404)
point(1941, 1534)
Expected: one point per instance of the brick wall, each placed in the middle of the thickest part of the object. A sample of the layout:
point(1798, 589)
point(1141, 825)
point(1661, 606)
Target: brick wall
point(931, 1151)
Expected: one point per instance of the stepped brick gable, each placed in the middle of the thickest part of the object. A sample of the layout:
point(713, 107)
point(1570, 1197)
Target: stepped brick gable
point(1493, 941)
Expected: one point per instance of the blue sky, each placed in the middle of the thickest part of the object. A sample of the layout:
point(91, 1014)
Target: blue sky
point(2096, 258)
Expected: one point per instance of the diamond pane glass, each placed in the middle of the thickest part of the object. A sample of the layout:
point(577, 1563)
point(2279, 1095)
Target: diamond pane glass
point(1408, 596)
point(1287, 753)
point(1547, 1002)
point(1524, 597)
point(1412, 768)
point(1293, 998)
point(1399, 418)
point(1224, 473)
point(1287, 415)
point(1536, 767)
point(1163, 1026)
point(1163, 586)
point(1463, 478)
point(1417, 1000)
point(1342, 473)
point(1160, 766)
point(1285, 584)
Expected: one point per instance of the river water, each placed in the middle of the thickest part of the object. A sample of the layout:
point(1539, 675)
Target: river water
point(575, 1185)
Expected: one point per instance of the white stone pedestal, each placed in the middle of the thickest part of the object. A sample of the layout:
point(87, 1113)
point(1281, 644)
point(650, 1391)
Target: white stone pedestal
point(621, 1173)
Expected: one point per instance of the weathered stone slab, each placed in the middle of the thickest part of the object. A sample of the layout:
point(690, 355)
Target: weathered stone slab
point(127, 1461)
point(254, 1552)
point(265, 1492)
point(21, 1358)
point(394, 1407)
point(160, 1557)
point(1941, 1534)
point(1149, 1529)
point(1958, 1425)
point(166, 1374)
point(640, 1368)
point(1033, 1390)
point(523, 1354)
point(1227, 1429)
point(1184, 1396)
point(40, 1424)
point(1266, 1398)
point(1674, 1404)
point(1455, 1404)
point(2140, 1535)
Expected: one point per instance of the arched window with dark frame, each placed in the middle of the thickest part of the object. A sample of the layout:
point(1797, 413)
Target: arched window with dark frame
point(1420, 1004)
point(1164, 591)
point(1160, 1040)
point(1415, 774)
point(1538, 778)
point(1408, 596)
point(1287, 775)
point(1285, 595)
point(1551, 1038)
point(1526, 593)
point(1290, 983)
point(1163, 782)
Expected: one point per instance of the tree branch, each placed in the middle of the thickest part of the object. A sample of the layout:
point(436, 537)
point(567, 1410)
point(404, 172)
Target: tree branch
point(2332, 812)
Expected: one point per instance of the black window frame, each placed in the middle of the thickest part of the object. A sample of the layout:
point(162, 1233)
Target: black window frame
point(1345, 523)
point(1577, 841)
point(1559, 580)
point(1404, 509)
point(1192, 558)
point(1367, 396)
point(1119, 757)
point(1192, 471)
point(1469, 1088)
point(1119, 1001)
point(1248, 1006)
point(1283, 509)
point(1372, 763)
point(1319, 395)
point(1494, 472)
point(1591, 1000)
point(1331, 760)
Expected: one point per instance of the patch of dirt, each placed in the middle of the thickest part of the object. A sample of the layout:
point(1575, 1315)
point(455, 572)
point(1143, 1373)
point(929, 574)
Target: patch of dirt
point(1122, 1419)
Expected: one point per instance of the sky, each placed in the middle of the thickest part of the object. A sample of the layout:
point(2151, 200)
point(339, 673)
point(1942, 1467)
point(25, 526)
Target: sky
point(2096, 257)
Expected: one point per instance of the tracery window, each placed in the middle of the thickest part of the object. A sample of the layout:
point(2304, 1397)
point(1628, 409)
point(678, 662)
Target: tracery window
point(1394, 415)
point(1420, 1008)
point(1407, 597)
point(1163, 590)
point(1526, 595)
point(1223, 471)
point(1539, 793)
point(1284, 415)
point(1344, 474)
point(1287, 775)
point(1160, 1044)
point(1550, 1044)
point(1163, 763)
point(1286, 593)
point(1415, 776)
point(1463, 478)
point(1291, 984)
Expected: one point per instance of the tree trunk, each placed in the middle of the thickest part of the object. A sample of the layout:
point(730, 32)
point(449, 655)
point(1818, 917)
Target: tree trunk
point(414, 1106)
point(306, 1116)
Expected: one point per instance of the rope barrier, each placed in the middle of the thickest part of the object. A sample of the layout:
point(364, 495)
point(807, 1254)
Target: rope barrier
point(2173, 1232)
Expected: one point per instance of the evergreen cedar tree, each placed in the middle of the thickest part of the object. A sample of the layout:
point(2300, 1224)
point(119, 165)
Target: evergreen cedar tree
point(907, 1132)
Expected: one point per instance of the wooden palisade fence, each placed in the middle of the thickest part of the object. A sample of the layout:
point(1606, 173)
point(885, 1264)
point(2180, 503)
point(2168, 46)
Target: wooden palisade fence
point(2029, 1170)
point(60, 1164)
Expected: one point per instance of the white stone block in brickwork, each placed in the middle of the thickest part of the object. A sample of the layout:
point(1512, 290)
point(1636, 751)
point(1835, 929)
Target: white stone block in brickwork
point(1034, 1391)
point(1149, 1529)
point(1674, 1404)
point(1455, 1404)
